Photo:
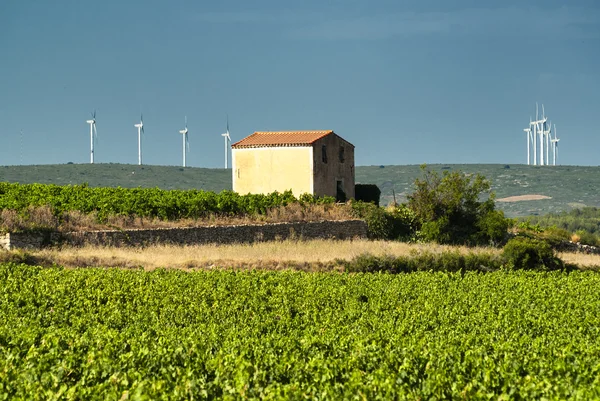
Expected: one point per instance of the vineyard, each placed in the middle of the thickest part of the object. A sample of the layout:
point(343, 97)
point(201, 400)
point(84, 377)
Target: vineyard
point(142, 202)
point(123, 334)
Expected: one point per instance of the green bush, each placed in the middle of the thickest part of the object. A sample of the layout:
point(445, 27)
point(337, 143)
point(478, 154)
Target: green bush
point(554, 236)
point(404, 222)
point(395, 223)
point(379, 223)
point(493, 227)
point(452, 209)
point(587, 238)
point(450, 261)
point(369, 193)
point(522, 253)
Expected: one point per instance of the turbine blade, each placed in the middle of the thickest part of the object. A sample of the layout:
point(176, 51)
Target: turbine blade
point(185, 122)
point(228, 123)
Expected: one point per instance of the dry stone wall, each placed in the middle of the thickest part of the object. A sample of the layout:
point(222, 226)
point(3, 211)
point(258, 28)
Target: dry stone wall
point(196, 235)
point(24, 240)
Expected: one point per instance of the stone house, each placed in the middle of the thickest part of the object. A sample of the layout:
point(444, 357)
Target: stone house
point(314, 162)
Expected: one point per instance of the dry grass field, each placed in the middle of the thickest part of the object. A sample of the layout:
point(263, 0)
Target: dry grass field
point(313, 255)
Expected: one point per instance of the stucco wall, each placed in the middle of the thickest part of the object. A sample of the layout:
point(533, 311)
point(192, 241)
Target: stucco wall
point(194, 235)
point(270, 169)
point(326, 174)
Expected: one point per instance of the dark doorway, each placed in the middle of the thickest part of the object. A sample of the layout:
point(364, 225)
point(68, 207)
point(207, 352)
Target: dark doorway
point(340, 195)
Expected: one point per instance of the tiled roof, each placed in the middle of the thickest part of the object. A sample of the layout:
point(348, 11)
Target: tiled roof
point(281, 138)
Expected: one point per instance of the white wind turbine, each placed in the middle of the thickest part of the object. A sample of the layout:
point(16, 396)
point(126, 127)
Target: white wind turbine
point(93, 135)
point(548, 136)
point(555, 145)
point(544, 137)
point(140, 127)
point(529, 140)
point(542, 132)
point(186, 143)
point(534, 124)
point(227, 142)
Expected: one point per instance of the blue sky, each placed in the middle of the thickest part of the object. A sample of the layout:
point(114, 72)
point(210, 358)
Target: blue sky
point(406, 82)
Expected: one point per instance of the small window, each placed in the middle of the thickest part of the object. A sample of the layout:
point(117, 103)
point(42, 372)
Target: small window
point(342, 155)
point(324, 153)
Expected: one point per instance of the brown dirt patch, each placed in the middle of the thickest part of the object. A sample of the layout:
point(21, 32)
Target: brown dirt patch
point(519, 198)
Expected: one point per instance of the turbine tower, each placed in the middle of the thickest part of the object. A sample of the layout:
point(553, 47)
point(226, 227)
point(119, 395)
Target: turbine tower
point(140, 128)
point(186, 143)
point(543, 138)
point(227, 140)
point(535, 134)
point(528, 132)
point(548, 135)
point(93, 135)
point(555, 145)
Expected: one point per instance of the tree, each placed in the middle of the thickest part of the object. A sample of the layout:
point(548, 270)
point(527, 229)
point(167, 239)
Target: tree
point(453, 208)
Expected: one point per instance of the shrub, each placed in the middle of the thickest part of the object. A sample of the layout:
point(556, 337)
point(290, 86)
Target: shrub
point(395, 223)
point(451, 209)
point(369, 193)
point(522, 253)
point(404, 222)
point(379, 224)
point(449, 261)
point(554, 236)
point(493, 227)
point(587, 238)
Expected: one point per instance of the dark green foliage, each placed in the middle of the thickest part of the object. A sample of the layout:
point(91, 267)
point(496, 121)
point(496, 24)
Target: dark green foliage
point(396, 223)
point(587, 238)
point(379, 223)
point(143, 202)
point(404, 222)
point(450, 261)
point(521, 253)
point(367, 193)
point(451, 210)
point(492, 227)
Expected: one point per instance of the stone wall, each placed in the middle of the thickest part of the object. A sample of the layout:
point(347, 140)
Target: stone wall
point(195, 235)
point(24, 240)
point(569, 246)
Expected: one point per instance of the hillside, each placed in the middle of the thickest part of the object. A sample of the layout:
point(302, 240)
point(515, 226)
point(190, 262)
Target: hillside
point(123, 175)
point(566, 186)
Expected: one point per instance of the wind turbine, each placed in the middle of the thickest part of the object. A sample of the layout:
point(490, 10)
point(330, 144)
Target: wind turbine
point(544, 138)
point(555, 144)
point(93, 135)
point(186, 143)
point(535, 124)
point(227, 138)
point(140, 128)
point(548, 135)
point(528, 132)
